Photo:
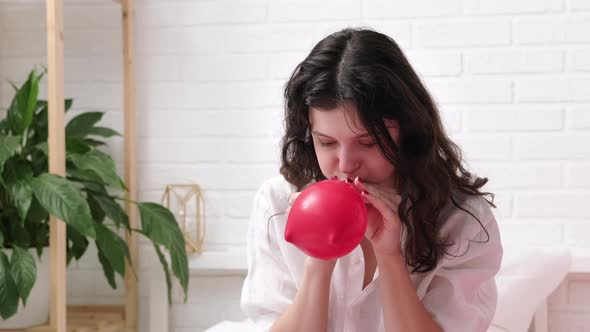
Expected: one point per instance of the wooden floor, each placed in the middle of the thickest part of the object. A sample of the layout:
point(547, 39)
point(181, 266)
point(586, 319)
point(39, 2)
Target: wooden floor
point(89, 319)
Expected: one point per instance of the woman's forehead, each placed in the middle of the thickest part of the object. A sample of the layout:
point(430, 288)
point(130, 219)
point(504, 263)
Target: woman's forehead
point(344, 114)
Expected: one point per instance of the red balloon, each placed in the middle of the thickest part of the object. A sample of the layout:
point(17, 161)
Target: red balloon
point(327, 220)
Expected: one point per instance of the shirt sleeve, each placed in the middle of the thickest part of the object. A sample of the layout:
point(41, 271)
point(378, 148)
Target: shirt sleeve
point(462, 295)
point(268, 288)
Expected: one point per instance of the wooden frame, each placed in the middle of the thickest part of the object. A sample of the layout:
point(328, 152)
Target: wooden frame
point(87, 318)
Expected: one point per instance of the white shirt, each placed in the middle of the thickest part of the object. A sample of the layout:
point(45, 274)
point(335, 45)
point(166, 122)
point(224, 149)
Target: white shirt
point(460, 292)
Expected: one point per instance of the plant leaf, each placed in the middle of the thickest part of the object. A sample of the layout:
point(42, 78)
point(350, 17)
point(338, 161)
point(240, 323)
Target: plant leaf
point(104, 132)
point(41, 104)
point(77, 145)
point(62, 199)
point(166, 272)
point(19, 235)
point(43, 147)
point(96, 210)
point(94, 142)
point(17, 175)
point(81, 125)
point(112, 209)
point(68, 104)
point(8, 146)
point(109, 273)
point(1, 240)
point(113, 247)
point(77, 244)
point(159, 225)
point(24, 271)
point(80, 175)
point(20, 112)
point(8, 293)
point(180, 264)
point(100, 164)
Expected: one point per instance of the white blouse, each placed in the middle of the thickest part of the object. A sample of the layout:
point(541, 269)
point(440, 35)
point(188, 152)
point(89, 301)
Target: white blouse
point(460, 292)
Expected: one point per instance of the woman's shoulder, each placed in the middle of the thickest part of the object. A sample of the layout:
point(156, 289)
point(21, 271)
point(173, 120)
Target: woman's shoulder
point(275, 191)
point(467, 217)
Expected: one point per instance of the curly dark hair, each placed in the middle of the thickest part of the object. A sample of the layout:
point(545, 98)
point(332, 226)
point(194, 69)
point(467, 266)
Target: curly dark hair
point(369, 69)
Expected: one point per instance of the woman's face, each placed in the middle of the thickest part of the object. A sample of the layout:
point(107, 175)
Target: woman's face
point(345, 149)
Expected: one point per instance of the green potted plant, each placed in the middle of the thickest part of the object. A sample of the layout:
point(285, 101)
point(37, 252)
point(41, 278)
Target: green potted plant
point(86, 199)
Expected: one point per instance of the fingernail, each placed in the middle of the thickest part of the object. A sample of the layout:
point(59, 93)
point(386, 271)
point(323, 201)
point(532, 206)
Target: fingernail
point(334, 178)
point(359, 179)
point(348, 180)
point(364, 192)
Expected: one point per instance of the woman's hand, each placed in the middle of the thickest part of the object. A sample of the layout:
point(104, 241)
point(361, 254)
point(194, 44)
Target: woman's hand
point(383, 223)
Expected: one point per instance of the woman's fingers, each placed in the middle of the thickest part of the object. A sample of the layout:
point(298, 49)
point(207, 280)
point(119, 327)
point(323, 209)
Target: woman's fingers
point(390, 197)
point(386, 210)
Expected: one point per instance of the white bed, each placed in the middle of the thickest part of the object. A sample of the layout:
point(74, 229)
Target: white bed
point(526, 279)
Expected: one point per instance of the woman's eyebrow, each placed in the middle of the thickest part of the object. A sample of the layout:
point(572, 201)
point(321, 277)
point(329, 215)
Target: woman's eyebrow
point(317, 133)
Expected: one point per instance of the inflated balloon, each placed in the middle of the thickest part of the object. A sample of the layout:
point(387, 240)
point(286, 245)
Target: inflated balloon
point(327, 220)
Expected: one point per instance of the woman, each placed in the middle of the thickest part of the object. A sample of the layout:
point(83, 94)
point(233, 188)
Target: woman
point(357, 111)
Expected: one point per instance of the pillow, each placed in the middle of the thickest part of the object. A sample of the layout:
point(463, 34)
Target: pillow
point(527, 277)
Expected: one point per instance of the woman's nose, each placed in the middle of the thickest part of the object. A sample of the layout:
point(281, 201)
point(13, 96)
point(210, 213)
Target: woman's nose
point(349, 162)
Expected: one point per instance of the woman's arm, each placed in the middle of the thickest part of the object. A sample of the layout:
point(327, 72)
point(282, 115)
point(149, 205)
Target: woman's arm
point(402, 309)
point(309, 310)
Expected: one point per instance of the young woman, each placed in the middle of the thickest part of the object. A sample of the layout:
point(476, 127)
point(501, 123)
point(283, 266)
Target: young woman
point(356, 110)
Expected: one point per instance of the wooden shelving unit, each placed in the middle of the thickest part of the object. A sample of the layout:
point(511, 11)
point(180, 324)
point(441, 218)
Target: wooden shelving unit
point(63, 318)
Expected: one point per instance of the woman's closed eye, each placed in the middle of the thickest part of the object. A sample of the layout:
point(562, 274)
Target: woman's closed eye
point(326, 143)
point(368, 144)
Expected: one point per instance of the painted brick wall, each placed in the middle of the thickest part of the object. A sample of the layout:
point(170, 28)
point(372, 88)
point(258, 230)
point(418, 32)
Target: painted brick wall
point(512, 79)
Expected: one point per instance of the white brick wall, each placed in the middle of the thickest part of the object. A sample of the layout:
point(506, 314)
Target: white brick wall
point(512, 79)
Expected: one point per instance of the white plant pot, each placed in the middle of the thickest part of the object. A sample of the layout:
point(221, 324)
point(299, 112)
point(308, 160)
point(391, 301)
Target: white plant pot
point(37, 310)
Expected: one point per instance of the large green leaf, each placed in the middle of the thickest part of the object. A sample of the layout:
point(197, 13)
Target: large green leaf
point(104, 132)
point(24, 272)
point(114, 248)
point(37, 212)
point(180, 264)
point(77, 145)
point(8, 292)
point(81, 125)
point(19, 234)
point(107, 269)
point(96, 210)
point(37, 224)
point(159, 225)
point(80, 175)
point(94, 142)
point(166, 272)
point(17, 176)
point(77, 244)
point(62, 199)
point(8, 146)
point(42, 104)
point(100, 164)
point(20, 112)
point(112, 209)
point(43, 147)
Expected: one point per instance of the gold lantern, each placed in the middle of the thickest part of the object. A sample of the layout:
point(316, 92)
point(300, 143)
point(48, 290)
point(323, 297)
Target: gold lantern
point(186, 203)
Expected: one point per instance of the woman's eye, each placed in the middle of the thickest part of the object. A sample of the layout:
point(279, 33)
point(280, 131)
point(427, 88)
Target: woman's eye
point(326, 143)
point(368, 144)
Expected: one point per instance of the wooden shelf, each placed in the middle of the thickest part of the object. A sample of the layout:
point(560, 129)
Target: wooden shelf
point(65, 318)
point(89, 319)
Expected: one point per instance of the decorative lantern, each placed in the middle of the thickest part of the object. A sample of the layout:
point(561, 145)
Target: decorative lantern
point(185, 201)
